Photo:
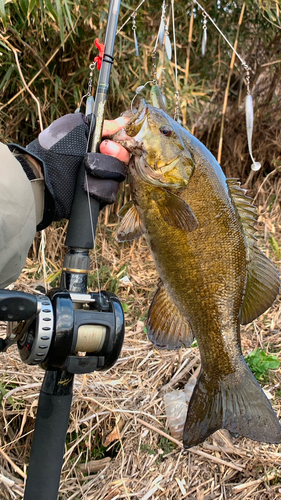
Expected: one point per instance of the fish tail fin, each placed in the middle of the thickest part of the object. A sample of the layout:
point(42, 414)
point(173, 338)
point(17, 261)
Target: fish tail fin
point(237, 403)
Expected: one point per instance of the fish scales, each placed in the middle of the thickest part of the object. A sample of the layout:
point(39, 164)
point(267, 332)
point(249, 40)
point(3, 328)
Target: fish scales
point(207, 284)
point(198, 226)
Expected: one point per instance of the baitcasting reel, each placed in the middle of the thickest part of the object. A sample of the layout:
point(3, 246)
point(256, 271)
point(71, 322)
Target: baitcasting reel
point(70, 331)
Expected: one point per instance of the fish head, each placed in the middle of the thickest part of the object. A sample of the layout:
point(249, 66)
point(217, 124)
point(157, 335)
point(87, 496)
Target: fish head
point(155, 141)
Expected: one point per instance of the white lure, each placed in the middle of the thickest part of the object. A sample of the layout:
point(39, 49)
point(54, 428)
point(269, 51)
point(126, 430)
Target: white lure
point(250, 125)
point(204, 41)
point(168, 47)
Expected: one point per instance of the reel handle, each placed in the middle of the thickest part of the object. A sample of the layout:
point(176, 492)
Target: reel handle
point(17, 306)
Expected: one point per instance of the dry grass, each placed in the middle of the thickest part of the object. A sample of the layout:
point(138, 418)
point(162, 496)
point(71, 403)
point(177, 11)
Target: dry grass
point(118, 444)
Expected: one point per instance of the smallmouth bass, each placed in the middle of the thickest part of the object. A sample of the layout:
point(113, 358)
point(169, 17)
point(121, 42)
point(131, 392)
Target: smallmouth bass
point(199, 228)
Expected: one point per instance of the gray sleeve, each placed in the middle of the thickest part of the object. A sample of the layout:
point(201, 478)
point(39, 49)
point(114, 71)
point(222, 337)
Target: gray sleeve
point(17, 217)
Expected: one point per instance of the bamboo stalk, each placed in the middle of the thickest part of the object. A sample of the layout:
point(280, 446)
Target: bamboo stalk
point(189, 46)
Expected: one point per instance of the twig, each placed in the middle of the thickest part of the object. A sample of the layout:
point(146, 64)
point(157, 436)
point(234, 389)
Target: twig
point(180, 375)
point(21, 388)
point(27, 88)
point(11, 484)
point(240, 468)
point(270, 63)
point(15, 467)
point(264, 181)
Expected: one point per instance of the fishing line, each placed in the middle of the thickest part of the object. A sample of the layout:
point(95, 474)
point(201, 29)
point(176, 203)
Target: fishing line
point(249, 109)
point(244, 64)
point(177, 109)
point(90, 211)
point(130, 17)
point(93, 235)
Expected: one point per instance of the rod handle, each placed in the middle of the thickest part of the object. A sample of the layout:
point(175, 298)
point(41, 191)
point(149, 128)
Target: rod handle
point(79, 232)
point(47, 449)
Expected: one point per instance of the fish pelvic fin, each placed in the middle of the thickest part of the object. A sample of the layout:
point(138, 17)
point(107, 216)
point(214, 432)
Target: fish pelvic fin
point(131, 226)
point(237, 403)
point(166, 326)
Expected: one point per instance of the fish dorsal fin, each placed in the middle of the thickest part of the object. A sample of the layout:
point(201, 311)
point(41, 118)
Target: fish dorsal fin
point(166, 326)
point(262, 286)
point(246, 210)
point(174, 210)
point(131, 226)
point(262, 277)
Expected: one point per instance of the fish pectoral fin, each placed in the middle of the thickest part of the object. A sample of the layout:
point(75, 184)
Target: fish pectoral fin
point(238, 405)
point(166, 326)
point(175, 211)
point(262, 286)
point(131, 226)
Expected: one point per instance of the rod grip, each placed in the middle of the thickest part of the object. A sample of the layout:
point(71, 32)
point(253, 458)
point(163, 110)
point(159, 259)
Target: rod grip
point(49, 437)
point(79, 232)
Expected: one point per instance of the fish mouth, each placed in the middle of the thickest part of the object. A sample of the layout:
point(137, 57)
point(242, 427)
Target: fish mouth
point(156, 178)
point(128, 136)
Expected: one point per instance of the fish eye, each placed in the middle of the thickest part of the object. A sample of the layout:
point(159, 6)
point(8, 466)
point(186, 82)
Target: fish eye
point(167, 131)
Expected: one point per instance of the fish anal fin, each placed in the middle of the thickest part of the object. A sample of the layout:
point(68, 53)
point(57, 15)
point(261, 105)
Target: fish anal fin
point(131, 226)
point(262, 286)
point(175, 211)
point(234, 403)
point(166, 327)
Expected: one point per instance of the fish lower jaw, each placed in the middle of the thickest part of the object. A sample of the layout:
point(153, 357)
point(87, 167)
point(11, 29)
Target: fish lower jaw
point(127, 141)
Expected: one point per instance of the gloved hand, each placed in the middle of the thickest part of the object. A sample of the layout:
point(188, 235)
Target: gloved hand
point(62, 147)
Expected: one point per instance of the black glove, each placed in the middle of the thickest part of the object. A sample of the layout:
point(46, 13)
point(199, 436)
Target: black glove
point(60, 149)
point(105, 174)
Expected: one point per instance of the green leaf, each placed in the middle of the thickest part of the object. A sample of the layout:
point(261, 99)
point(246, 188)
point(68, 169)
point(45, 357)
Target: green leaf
point(31, 6)
point(57, 86)
point(260, 363)
point(7, 76)
point(60, 19)
point(51, 11)
point(275, 246)
point(68, 14)
point(3, 13)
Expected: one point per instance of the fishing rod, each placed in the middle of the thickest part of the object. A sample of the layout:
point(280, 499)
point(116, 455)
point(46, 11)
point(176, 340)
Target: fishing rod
point(69, 331)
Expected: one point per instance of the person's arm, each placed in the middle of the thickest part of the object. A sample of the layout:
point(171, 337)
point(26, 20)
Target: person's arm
point(39, 184)
point(17, 217)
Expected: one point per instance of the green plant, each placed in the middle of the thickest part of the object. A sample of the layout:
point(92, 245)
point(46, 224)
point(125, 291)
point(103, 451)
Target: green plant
point(125, 307)
point(260, 363)
point(166, 445)
point(147, 449)
point(4, 388)
point(275, 246)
